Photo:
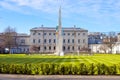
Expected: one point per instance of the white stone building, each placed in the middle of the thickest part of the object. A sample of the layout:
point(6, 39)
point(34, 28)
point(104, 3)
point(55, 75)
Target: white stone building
point(23, 44)
point(101, 48)
point(45, 38)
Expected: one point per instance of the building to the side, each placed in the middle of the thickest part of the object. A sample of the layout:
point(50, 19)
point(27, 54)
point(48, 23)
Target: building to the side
point(23, 44)
point(103, 48)
point(45, 38)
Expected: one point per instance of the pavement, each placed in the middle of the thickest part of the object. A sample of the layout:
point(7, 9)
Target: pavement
point(56, 77)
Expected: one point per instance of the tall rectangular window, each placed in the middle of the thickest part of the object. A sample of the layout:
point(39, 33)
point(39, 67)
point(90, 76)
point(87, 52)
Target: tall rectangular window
point(68, 34)
point(33, 40)
point(83, 40)
point(45, 41)
point(54, 47)
point(49, 40)
point(72, 40)
point(49, 33)
point(38, 33)
point(53, 33)
point(83, 34)
point(78, 40)
point(73, 48)
point(68, 40)
point(39, 41)
point(63, 40)
point(33, 33)
point(54, 41)
point(45, 48)
point(49, 47)
point(45, 34)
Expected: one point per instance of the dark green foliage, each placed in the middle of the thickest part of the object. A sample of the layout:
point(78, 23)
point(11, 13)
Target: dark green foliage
point(101, 69)
point(112, 70)
point(59, 69)
point(92, 69)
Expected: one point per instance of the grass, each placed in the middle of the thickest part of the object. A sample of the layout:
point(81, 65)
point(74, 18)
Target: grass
point(108, 59)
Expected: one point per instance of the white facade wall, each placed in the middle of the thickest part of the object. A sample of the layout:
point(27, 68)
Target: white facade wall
point(72, 45)
point(23, 42)
point(95, 48)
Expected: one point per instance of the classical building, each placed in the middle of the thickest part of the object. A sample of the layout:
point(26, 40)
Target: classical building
point(23, 44)
point(45, 38)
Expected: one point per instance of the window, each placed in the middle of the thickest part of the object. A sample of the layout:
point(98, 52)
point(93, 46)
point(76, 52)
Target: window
point(64, 48)
point(72, 40)
point(45, 41)
point(23, 41)
point(45, 48)
point(78, 40)
point(39, 48)
point(23, 49)
point(83, 33)
point(39, 41)
point(63, 40)
point(53, 33)
point(45, 34)
point(63, 33)
point(54, 48)
point(33, 40)
point(68, 40)
point(78, 47)
point(49, 33)
point(38, 33)
point(73, 34)
point(78, 33)
point(68, 47)
point(83, 40)
point(68, 34)
point(49, 40)
point(54, 40)
point(28, 49)
point(49, 47)
point(33, 33)
point(73, 48)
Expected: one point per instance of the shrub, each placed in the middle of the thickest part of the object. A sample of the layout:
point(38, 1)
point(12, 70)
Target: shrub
point(59, 69)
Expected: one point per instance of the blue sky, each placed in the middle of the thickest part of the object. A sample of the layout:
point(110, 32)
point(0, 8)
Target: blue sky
point(93, 15)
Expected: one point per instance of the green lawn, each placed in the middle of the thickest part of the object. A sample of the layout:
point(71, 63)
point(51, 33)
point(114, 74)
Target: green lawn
point(107, 59)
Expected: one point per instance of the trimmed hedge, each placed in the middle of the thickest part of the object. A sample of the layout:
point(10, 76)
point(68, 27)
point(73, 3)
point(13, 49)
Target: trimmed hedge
point(60, 69)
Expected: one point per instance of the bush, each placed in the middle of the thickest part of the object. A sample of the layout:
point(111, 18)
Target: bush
point(59, 69)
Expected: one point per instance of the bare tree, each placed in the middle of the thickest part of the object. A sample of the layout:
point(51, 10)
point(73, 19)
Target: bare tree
point(9, 37)
point(110, 40)
point(2, 46)
point(104, 48)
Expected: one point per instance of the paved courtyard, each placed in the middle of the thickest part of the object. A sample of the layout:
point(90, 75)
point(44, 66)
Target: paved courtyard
point(56, 77)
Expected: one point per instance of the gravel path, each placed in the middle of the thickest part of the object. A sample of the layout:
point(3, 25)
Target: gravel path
point(56, 77)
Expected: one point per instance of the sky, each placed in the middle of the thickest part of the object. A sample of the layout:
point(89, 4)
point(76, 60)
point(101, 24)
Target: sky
point(93, 15)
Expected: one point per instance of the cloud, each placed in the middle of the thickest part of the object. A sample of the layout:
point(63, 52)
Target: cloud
point(90, 8)
point(49, 6)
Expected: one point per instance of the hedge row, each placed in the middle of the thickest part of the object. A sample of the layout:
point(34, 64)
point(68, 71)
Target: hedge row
point(59, 69)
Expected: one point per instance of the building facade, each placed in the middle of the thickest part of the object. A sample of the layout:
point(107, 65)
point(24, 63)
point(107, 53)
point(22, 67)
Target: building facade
point(23, 44)
point(45, 38)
